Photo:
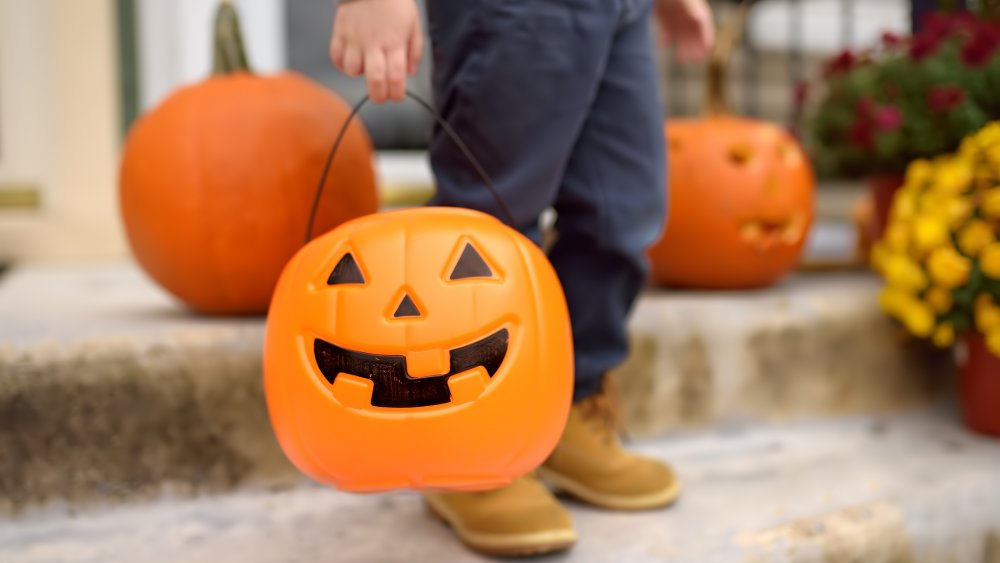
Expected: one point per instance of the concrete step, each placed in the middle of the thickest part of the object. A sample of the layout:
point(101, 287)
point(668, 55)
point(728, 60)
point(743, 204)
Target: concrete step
point(109, 390)
point(908, 488)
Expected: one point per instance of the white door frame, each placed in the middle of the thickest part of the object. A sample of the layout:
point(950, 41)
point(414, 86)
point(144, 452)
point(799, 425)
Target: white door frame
point(175, 42)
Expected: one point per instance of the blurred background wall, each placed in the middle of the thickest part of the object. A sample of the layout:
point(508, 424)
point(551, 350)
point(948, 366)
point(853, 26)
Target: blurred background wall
point(59, 129)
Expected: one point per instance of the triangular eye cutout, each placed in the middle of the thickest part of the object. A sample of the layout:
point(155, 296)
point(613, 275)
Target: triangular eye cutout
point(407, 308)
point(470, 265)
point(346, 271)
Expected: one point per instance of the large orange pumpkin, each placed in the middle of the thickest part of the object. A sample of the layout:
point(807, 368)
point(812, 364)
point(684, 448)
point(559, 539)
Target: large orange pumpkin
point(426, 348)
point(741, 195)
point(216, 183)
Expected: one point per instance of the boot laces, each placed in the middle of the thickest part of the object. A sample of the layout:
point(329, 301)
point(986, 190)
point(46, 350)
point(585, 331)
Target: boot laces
point(603, 412)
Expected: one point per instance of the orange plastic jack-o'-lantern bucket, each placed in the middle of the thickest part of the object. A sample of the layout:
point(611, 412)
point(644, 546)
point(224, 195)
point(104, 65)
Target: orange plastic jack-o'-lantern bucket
point(424, 348)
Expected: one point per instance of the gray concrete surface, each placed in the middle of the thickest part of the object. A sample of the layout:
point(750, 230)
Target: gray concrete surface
point(109, 390)
point(885, 489)
point(817, 345)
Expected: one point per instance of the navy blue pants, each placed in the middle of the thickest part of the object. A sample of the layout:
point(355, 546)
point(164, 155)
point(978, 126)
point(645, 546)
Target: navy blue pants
point(559, 100)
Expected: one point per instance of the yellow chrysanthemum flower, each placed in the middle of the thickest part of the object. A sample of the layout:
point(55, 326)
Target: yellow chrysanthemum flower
point(904, 273)
point(993, 155)
point(939, 299)
point(969, 146)
point(948, 268)
point(932, 203)
point(991, 204)
point(989, 260)
point(897, 236)
point(993, 342)
point(944, 223)
point(987, 314)
point(878, 256)
point(918, 173)
point(988, 136)
point(944, 335)
point(975, 236)
point(929, 232)
point(957, 210)
point(904, 204)
point(893, 300)
point(953, 176)
point(918, 318)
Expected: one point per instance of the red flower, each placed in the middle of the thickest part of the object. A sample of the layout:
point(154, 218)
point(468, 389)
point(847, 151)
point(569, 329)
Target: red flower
point(924, 45)
point(800, 93)
point(981, 45)
point(872, 119)
point(865, 107)
point(942, 24)
point(861, 134)
point(891, 40)
point(943, 98)
point(887, 118)
point(938, 27)
point(840, 64)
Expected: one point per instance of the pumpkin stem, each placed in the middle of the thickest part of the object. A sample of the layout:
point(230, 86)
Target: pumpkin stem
point(229, 56)
point(730, 34)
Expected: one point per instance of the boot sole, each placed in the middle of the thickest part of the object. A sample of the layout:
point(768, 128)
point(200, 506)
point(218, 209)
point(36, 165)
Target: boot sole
point(579, 491)
point(535, 543)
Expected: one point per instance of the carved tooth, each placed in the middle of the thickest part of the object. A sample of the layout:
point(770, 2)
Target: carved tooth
point(468, 386)
point(793, 231)
point(752, 231)
point(426, 363)
point(352, 391)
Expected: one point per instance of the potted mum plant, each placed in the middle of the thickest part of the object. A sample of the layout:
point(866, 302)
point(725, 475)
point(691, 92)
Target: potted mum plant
point(904, 99)
point(940, 258)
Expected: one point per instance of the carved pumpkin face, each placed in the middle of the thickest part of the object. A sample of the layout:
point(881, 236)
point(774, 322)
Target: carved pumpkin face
point(426, 348)
point(741, 204)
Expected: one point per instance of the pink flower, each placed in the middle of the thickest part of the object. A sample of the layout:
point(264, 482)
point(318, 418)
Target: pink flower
point(887, 118)
point(872, 119)
point(943, 98)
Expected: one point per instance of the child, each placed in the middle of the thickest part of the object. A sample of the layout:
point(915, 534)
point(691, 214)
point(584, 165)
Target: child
point(559, 100)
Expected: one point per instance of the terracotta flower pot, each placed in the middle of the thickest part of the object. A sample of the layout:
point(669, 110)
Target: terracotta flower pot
point(979, 385)
point(883, 188)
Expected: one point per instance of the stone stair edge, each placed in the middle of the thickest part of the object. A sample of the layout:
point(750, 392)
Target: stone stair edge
point(842, 490)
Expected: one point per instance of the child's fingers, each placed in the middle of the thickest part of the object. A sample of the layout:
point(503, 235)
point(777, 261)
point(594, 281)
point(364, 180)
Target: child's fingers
point(337, 52)
point(415, 49)
point(375, 72)
point(396, 71)
point(352, 64)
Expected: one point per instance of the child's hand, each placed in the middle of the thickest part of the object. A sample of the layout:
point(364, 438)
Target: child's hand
point(380, 39)
point(688, 24)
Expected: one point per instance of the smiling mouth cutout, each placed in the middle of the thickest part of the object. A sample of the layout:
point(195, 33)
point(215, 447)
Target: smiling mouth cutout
point(393, 386)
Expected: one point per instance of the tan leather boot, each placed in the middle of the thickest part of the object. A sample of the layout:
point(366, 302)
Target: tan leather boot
point(523, 518)
point(591, 465)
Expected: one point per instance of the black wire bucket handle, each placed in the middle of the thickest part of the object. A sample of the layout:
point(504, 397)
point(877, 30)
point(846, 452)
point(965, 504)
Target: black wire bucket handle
point(448, 131)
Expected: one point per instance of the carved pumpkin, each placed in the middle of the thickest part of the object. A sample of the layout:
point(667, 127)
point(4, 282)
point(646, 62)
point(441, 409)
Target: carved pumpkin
point(216, 182)
point(741, 195)
point(426, 348)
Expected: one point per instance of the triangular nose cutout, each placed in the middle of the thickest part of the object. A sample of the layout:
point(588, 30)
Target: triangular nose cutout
point(407, 308)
